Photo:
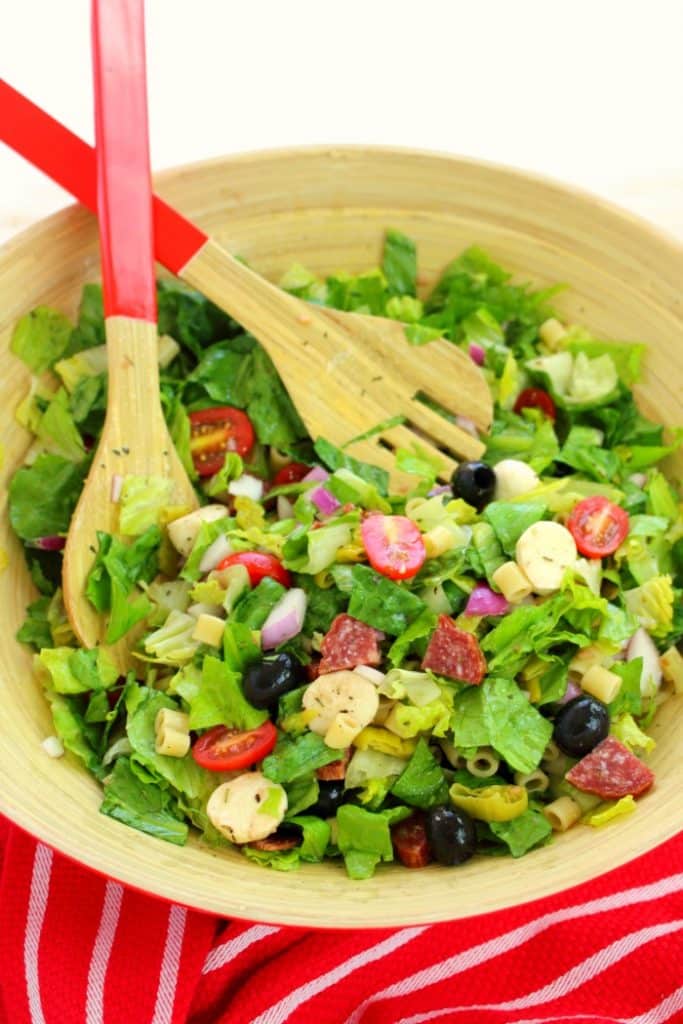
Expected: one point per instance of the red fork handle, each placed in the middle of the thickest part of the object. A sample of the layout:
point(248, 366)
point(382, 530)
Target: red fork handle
point(124, 188)
point(70, 162)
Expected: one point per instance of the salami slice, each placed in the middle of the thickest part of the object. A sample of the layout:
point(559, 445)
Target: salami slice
point(275, 843)
point(454, 653)
point(349, 643)
point(611, 771)
point(335, 770)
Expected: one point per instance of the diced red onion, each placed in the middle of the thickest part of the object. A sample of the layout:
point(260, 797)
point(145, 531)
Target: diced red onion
point(324, 500)
point(484, 601)
point(440, 489)
point(286, 619)
point(116, 486)
point(285, 509)
point(317, 474)
point(215, 553)
point(641, 645)
point(48, 543)
point(246, 486)
point(477, 353)
point(468, 425)
point(572, 691)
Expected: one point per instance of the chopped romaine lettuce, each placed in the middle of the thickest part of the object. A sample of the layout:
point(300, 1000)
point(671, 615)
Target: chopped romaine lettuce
point(376, 600)
point(41, 338)
point(422, 782)
point(42, 497)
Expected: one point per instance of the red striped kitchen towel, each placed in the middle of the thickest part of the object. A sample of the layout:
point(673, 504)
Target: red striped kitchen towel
point(78, 949)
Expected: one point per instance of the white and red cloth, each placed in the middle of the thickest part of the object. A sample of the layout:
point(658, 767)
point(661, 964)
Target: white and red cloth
point(78, 949)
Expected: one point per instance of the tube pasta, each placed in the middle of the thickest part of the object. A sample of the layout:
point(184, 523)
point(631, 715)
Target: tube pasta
point(601, 683)
point(534, 782)
point(562, 813)
point(452, 754)
point(512, 583)
point(171, 733)
point(483, 764)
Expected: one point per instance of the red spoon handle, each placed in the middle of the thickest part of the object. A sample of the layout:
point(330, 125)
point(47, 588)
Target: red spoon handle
point(124, 189)
point(70, 162)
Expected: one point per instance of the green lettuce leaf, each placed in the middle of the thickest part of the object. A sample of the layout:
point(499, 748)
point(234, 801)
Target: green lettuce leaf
point(422, 782)
point(77, 670)
point(57, 430)
point(399, 263)
point(142, 805)
point(470, 728)
point(118, 567)
point(42, 497)
point(215, 698)
point(518, 732)
point(141, 502)
point(294, 758)
point(377, 601)
point(523, 833)
point(334, 458)
point(364, 838)
point(510, 519)
point(41, 338)
point(254, 608)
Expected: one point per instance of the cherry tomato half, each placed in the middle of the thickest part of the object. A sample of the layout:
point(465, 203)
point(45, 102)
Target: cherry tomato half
point(227, 750)
point(292, 473)
point(213, 432)
point(598, 526)
point(394, 546)
point(536, 398)
point(258, 564)
point(409, 839)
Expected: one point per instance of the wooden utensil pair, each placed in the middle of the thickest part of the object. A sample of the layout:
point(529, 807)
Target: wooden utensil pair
point(345, 373)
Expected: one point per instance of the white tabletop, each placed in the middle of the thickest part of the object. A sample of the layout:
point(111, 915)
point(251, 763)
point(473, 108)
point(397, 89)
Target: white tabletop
point(590, 93)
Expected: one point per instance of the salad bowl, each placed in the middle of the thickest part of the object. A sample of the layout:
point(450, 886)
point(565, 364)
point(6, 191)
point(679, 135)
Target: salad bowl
point(328, 209)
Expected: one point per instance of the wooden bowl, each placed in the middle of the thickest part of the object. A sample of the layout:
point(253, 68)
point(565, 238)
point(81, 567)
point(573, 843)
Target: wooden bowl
point(328, 209)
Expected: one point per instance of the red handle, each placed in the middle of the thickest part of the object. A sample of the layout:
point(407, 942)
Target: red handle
point(70, 162)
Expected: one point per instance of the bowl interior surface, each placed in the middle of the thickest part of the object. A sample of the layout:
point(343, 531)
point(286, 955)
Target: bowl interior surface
point(328, 208)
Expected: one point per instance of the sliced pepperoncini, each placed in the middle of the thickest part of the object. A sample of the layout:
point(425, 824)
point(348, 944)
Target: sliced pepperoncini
point(491, 803)
point(373, 737)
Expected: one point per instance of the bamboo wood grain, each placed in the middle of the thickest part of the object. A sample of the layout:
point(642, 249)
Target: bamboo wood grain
point(347, 373)
point(328, 208)
point(135, 441)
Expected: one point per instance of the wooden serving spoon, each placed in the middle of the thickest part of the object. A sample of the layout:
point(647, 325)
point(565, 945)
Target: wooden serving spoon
point(135, 439)
point(345, 372)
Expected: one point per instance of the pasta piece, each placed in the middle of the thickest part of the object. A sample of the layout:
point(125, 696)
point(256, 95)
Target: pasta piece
point(534, 782)
point(601, 683)
point(172, 733)
point(552, 332)
point(562, 813)
point(512, 583)
point(484, 764)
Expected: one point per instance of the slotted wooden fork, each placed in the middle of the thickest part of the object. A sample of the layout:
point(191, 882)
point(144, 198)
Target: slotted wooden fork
point(345, 372)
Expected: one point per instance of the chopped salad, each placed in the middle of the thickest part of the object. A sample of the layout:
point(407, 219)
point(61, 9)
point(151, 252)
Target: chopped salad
point(326, 667)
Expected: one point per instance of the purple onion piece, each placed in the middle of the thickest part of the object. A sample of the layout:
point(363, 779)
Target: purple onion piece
point(47, 543)
point(324, 501)
point(440, 489)
point(317, 474)
point(573, 690)
point(484, 601)
point(477, 353)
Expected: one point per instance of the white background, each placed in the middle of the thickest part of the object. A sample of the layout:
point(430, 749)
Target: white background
point(588, 91)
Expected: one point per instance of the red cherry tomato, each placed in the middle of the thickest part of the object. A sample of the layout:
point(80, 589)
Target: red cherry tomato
point(536, 398)
point(409, 839)
point(227, 750)
point(213, 432)
point(394, 546)
point(292, 473)
point(258, 564)
point(598, 526)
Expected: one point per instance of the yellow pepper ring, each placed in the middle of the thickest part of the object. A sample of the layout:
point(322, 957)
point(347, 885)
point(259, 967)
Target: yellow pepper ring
point(491, 803)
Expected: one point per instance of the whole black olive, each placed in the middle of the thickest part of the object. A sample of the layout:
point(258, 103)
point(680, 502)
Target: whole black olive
point(475, 483)
point(330, 797)
point(265, 681)
point(451, 834)
point(580, 725)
